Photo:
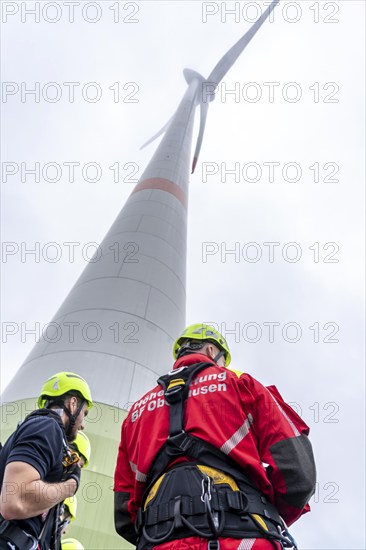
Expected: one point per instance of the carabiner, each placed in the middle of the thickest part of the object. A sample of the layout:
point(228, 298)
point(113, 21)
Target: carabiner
point(206, 491)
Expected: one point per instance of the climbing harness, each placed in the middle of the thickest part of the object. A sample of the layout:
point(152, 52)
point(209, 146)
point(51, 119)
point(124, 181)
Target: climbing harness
point(208, 496)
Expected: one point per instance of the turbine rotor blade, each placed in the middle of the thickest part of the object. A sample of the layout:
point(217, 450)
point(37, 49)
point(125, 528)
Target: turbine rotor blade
point(189, 75)
point(228, 60)
point(155, 136)
point(203, 117)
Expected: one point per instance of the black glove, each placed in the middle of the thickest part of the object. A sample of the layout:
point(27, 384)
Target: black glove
point(72, 472)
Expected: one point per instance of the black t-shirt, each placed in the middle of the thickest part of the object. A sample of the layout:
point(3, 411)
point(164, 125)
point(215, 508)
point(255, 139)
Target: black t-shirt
point(38, 442)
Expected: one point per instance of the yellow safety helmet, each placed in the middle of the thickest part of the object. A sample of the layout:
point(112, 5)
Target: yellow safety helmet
point(71, 544)
point(71, 505)
point(201, 332)
point(64, 382)
point(82, 445)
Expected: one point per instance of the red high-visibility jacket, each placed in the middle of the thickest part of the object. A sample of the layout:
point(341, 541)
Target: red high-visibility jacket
point(238, 415)
point(196, 543)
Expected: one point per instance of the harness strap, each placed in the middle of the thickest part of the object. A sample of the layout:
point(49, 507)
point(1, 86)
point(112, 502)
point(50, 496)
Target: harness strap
point(15, 535)
point(56, 537)
point(187, 445)
point(176, 387)
point(228, 501)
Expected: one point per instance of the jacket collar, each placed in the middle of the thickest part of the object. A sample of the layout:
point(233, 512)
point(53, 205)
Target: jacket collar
point(192, 359)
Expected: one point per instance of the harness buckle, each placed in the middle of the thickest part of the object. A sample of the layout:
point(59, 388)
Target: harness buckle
point(178, 443)
point(70, 458)
point(173, 393)
point(244, 502)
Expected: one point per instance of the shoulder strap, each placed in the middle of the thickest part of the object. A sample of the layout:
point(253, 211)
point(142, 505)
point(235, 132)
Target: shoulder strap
point(176, 387)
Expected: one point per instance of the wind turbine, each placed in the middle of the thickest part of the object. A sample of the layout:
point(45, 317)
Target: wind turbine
point(205, 88)
point(117, 325)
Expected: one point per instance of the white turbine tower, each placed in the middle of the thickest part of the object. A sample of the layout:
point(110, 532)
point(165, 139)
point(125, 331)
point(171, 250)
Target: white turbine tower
point(130, 304)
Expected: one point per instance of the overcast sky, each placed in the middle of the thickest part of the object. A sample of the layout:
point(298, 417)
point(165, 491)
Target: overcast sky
point(280, 184)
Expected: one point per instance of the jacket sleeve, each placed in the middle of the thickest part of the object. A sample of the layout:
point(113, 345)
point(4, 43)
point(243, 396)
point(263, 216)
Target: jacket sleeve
point(124, 493)
point(122, 518)
point(283, 444)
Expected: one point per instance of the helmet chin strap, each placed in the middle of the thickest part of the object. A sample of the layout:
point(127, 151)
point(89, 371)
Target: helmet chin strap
point(217, 357)
point(72, 417)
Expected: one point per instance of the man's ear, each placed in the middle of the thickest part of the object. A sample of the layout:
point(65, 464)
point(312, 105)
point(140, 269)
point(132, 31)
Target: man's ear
point(72, 404)
point(210, 351)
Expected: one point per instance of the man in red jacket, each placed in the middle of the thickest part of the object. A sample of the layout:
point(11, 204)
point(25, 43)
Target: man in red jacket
point(210, 458)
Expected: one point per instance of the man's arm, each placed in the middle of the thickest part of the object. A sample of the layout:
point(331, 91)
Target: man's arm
point(283, 445)
point(25, 495)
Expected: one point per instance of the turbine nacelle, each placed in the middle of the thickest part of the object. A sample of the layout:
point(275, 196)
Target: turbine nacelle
point(190, 74)
point(207, 87)
point(206, 90)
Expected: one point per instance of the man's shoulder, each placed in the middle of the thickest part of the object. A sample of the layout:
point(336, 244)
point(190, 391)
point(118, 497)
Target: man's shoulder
point(44, 425)
point(236, 372)
point(148, 395)
point(240, 375)
point(34, 434)
point(248, 381)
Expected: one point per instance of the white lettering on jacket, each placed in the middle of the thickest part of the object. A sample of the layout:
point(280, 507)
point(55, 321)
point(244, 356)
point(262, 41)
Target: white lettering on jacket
point(155, 400)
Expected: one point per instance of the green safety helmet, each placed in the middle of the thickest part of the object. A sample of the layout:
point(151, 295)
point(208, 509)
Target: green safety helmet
point(71, 544)
point(82, 445)
point(61, 383)
point(71, 505)
point(203, 332)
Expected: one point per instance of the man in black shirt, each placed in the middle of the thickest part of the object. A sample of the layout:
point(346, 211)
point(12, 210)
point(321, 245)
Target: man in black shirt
point(37, 469)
